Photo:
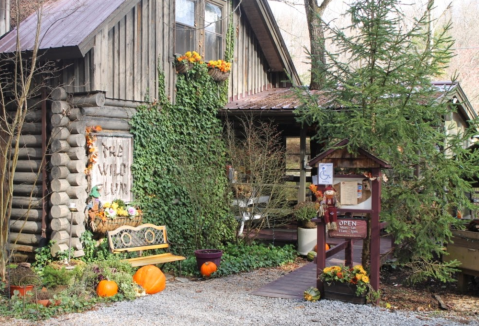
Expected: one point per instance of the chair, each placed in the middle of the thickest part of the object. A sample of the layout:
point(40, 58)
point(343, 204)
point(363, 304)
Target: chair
point(247, 214)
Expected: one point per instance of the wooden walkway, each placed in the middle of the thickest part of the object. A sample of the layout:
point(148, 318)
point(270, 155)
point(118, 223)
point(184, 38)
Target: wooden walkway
point(292, 285)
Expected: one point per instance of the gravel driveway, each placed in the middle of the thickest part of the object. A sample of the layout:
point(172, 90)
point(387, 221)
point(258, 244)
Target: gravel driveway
point(226, 301)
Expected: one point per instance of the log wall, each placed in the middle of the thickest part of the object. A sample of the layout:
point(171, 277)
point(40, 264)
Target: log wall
point(26, 216)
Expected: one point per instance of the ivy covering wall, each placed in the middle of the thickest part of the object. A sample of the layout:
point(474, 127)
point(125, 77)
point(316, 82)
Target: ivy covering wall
point(179, 164)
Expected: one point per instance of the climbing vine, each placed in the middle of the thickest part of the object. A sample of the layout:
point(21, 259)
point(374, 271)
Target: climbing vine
point(179, 162)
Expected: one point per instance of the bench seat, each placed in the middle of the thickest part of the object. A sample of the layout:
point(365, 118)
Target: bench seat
point(140, 238)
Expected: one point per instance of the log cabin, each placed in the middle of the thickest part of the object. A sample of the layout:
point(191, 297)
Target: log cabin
point(107, 55)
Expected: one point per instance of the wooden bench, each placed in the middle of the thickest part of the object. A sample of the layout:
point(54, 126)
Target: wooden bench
point(143, 237)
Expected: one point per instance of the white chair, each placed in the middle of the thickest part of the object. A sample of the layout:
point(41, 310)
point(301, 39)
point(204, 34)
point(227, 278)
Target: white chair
point(258, 204)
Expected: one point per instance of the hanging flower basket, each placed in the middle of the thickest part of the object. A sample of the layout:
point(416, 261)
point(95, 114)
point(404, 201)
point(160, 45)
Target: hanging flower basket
point(218, 75)
point(183, 67)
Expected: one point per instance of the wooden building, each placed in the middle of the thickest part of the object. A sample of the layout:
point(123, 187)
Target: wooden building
point(109, 54)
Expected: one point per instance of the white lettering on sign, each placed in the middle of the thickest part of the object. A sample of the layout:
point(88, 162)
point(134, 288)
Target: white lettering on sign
point(113, 167)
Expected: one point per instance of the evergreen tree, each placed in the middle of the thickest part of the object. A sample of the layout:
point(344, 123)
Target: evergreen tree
point(381, 97)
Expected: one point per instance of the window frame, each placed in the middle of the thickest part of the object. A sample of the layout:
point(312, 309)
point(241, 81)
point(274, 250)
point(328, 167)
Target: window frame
point(200, 33)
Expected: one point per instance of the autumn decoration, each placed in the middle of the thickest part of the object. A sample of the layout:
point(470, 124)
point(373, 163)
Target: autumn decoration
point(312, 294)
point(208, 268)
point(107, 288)
point(151, 278)
point(92, 150)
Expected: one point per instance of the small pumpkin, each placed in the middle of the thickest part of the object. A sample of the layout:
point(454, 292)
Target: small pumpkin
point(312, 294)
point(107, 288)
point(326, 247)
point(311, 255)
point(151, 278)
point(208, 268)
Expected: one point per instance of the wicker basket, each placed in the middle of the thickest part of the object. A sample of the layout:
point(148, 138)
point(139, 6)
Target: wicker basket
point(99, 226)
point(183, 68)
point(218, 75)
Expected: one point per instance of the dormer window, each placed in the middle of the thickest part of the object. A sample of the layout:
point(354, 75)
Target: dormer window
point(200, 27)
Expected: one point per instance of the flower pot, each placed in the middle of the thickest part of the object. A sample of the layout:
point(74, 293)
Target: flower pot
point(307, 239)
point(204, 255)
point(22, 289)
point(343, 292)
point(183, 68)
point(44, 302)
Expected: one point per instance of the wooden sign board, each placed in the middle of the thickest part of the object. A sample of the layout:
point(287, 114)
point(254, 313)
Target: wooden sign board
point(113, 167)
point(350, 229)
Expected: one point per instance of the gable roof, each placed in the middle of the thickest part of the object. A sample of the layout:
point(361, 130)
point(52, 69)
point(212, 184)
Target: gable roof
point(339, 155)
point(69, 28)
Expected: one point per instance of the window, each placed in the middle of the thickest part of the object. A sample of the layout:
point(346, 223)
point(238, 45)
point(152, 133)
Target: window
point(200, 27)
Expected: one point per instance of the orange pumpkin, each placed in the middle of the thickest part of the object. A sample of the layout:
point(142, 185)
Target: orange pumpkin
point(151, 278)
point(208, 268)
point(107, 288)
point(326, 247)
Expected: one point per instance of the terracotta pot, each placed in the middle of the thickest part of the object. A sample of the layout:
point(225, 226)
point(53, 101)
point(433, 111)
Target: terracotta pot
point(22, 289)
point(204, 255)
point(44, 302)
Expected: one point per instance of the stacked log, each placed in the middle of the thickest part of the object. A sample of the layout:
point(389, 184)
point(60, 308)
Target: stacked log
point(26, 215)
point(68, 181)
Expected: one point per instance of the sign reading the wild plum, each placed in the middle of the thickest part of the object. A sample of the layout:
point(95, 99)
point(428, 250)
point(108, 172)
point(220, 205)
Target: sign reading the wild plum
point(350, 229)
point(112, 169)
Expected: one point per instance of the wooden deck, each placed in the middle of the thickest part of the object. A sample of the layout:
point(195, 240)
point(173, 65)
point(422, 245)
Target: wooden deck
point(292, 285)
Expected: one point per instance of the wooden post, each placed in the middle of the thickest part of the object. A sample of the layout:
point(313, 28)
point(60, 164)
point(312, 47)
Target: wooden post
point(375, 236)
point(321, 253)
point(302, 168)
point(348, 254)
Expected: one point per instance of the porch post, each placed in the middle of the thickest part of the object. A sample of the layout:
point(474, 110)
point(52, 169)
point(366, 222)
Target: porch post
point(302, 167)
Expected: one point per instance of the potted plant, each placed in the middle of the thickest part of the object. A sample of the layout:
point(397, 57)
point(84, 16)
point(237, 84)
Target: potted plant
point(304, 212)
point(208, 255)
point(347, 284)
point(22, 279)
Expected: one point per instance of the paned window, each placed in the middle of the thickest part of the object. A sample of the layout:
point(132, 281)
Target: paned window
point(199, 27)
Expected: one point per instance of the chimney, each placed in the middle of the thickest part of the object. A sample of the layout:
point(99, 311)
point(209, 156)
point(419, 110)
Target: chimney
point(4, 16)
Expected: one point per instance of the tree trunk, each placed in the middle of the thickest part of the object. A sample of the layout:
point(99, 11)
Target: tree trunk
point(316, 38)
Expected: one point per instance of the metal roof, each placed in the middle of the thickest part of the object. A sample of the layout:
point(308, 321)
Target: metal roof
point(65, 24)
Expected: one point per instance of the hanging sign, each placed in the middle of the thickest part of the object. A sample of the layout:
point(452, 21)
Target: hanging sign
point(325, 173)
point(350, 229)
point(113, 167)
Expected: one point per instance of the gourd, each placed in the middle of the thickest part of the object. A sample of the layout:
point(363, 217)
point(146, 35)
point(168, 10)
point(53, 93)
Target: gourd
point(312, 294)
point(311, 255)
point(107, 288)
point(326, 247)
point(208, 268)
point(151, 278)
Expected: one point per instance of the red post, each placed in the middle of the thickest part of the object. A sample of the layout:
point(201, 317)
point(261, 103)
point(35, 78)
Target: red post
point(375, 236)
point(321, 252)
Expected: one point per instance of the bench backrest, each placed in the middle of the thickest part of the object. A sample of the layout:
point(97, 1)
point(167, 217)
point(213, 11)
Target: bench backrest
point(143, 237)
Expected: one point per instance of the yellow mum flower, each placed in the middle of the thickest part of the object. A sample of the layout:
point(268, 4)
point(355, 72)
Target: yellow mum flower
point(188, 54)
point(114, 205)
point(365, 279)
point(107, 205)
point(327, 270)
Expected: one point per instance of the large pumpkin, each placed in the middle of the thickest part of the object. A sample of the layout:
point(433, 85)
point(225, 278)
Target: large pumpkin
point(208, 268)
point(151, 278)
point(107, 288)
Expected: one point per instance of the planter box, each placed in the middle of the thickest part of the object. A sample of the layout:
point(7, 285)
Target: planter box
point(343, 292)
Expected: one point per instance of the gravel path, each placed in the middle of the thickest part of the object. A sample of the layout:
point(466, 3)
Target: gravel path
point(226, 301)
